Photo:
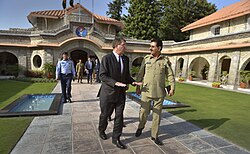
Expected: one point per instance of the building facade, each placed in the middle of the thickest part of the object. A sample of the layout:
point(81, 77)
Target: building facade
point(218, 43)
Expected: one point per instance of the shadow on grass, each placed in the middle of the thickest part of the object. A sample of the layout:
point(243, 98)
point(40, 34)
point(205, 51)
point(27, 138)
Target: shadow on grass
point(182, 111)
point(210, 124)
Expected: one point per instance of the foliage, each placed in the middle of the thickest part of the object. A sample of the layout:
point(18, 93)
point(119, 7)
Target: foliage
point(134, 70)
point(33, 74)
point(115, 9)
point(204, 72)
point(142, 21)
point(224, 77)
point(192, 73)
point(49, 69)
point(216, 84)
point(178, 14)
point(244, 76)
point(11, 70)
point(34, 80)
point(181, 79)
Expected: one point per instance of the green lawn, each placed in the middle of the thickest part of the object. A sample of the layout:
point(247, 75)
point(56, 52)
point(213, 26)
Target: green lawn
point(11, 129)
point(221, 112)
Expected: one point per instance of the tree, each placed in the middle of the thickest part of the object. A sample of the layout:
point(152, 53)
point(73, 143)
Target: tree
point(115, 9)
point(142, 21)
point(179, 13)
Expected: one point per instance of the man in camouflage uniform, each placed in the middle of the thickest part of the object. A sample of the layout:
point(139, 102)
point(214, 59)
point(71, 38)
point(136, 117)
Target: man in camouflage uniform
point(155, 68)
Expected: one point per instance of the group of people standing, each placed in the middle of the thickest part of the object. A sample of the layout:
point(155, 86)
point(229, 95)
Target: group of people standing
point(115, 77)
point(90, 68)
point(66, 72)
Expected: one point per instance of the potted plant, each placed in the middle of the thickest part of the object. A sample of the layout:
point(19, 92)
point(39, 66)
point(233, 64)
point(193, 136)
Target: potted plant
point(181, 79)
point(244, 78)
point(216, 84)
point(224, 77)
point(191, 75)
point(49, 70)
point(204, 72)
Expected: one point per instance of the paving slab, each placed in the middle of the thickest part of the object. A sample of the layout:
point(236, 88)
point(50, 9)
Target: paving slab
point(75, 131)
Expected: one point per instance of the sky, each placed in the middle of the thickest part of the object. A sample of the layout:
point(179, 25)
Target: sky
point(13, 13)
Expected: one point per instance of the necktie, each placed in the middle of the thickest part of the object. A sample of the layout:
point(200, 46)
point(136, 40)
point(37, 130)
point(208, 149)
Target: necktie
point(119, 61)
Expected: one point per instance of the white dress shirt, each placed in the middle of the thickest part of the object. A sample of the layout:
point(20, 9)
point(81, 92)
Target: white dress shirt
point(117, 58)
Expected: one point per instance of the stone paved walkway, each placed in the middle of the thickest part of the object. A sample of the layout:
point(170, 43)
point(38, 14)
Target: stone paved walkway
point(75, 132)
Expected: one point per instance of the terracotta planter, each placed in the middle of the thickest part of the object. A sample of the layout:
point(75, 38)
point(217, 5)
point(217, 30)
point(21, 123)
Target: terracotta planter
point(243, 85)
point(49, 75)
point(190, 78)
point(216, 86)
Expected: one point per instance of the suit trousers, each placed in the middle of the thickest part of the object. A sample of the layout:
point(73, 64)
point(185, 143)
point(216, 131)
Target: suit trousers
point(66, 86)
point(145, 110)
point(106, 109)
point(89, 76)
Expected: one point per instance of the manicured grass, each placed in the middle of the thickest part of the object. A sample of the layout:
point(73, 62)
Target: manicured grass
point(221, 112)
point(11, 129)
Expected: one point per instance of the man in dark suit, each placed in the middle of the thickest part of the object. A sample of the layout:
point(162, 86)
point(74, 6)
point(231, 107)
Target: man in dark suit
point(114, 74)
point(89, 67)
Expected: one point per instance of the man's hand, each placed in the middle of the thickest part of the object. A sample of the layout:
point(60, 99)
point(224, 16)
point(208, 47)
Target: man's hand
point(171, 93)
point(137, 83)
point(138, 90)
point(119, 84)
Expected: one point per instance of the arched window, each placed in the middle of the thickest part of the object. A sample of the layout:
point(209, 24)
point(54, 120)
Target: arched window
point(215, 30)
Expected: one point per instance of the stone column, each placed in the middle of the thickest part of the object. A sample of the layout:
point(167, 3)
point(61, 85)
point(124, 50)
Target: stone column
point(173, 61)
point(212, 74)
point(185, 66)
point(234, 71)
point(22, 62)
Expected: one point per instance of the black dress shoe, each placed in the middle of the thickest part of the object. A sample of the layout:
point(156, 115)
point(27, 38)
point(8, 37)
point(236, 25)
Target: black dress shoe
point(103, 136)
point(138, 132)
point(70, 101)
point(118, 143)
point(157, 141)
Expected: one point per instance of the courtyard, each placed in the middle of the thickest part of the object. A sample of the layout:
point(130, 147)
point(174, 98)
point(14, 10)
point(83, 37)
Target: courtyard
point(75, 129)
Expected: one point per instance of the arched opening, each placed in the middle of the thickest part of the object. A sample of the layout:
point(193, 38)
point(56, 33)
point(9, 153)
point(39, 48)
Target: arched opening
point(248, 66)
point(225, 63)
point(199, 68)
point(136, 66)
point(37, 61)
point(179, 67)
point(244, 75)
point(8, 64)
point(76, 55)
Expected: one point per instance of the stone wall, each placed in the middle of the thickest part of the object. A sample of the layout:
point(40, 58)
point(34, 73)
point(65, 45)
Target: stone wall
point(235, 25)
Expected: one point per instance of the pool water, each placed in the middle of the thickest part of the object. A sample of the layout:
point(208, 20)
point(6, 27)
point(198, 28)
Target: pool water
point(165, 102)
point(37, 102)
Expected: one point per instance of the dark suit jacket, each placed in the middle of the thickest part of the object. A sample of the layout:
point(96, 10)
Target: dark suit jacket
point(110, 74)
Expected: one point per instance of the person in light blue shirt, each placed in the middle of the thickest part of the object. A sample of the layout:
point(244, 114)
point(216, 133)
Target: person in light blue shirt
point(65, 71)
